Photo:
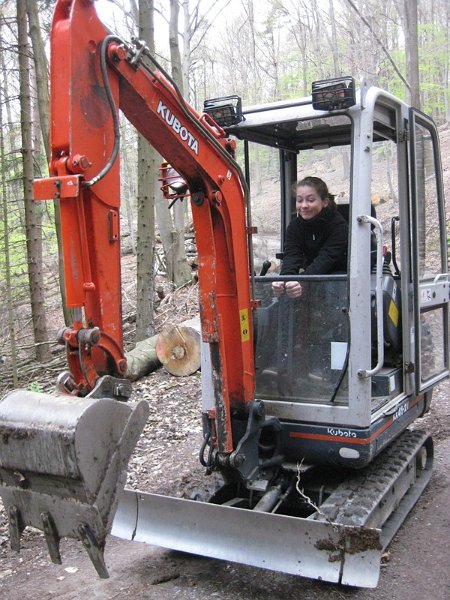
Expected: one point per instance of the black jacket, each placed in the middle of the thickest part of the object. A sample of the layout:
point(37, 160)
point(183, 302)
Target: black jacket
point(318, 246)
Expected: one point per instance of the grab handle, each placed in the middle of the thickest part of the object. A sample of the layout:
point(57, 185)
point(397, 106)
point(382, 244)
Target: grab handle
point(363, 373)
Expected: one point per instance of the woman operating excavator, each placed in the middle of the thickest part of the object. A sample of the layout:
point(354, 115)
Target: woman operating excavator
point(316, 239)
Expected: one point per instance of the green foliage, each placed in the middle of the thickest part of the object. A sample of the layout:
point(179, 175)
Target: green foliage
point(433, 68)
point(35, 386)
point(290, 84)
point(388, 79)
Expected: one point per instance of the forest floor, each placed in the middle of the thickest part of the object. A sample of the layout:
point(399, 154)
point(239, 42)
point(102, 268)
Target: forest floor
point(417, 565)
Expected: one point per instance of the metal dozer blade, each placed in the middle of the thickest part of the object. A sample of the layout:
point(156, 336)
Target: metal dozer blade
point(63, 462)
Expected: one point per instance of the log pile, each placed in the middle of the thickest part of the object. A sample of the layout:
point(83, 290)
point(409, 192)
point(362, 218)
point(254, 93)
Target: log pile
point(177, 348)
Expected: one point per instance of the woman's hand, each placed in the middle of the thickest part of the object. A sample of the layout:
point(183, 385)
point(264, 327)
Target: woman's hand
point(278, 288)
point(293, 289)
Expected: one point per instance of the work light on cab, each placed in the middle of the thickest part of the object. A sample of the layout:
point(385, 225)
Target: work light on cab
point(333, 94)
point(225, 111)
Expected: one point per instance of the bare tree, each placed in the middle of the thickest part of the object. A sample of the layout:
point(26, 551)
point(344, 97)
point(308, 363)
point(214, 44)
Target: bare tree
point(412, 50)
point(43, 102)
point(7, 292)
point(334, 39)
point(32, 216)
point(147, 169)
point(178, 268)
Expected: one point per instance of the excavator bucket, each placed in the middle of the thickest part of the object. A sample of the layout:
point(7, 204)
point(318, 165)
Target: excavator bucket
point(63, 461)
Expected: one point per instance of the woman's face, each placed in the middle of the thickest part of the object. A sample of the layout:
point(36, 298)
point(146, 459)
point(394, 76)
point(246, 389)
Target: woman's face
point(308, 202)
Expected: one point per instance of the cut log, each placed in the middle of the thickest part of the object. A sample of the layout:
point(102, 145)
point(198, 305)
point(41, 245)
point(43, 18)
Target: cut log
point(178, 347)
point(142, 360)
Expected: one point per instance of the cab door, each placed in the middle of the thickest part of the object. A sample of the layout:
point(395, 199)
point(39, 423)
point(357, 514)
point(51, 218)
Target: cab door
point(429, 334)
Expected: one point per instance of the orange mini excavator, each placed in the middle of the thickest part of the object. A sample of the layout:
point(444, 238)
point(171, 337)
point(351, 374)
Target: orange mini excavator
point(306, 401)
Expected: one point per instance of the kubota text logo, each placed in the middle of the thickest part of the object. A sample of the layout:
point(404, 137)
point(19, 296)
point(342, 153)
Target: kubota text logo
point(179, 129)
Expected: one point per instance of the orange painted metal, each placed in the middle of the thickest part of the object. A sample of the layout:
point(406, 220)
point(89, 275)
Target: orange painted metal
point(82, 138)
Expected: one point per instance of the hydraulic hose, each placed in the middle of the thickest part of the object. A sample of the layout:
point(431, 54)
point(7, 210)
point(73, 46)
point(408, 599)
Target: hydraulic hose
point(115, 118)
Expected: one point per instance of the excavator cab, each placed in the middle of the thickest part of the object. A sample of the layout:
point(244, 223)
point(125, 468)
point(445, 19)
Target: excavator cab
point(350, 364)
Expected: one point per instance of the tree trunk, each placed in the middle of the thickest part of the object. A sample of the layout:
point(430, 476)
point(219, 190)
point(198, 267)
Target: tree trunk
point(8, 287)
point(165, 227)
point(175, 56)
point(186, 57)
point(147, 169)
point(128, 187)
point(142, 360)
point(334, 43)
point(32, 218)
point(180, 267)
point(41, 70)
point(412, 51)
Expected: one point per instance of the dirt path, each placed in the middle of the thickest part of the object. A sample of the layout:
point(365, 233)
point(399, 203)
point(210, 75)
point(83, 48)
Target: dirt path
point(418, 566)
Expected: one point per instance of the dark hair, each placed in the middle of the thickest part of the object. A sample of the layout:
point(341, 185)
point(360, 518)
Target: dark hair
point(321, 188)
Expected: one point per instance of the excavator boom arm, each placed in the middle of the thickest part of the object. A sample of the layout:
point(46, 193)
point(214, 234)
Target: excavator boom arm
point(92, 75)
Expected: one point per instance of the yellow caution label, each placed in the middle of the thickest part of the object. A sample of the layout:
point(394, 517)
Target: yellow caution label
point(393, 313)
point(245, 331)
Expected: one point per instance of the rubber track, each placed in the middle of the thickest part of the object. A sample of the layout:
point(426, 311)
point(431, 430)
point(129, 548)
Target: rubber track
point(355, 500)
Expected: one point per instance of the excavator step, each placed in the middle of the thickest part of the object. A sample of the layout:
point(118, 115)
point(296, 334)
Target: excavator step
point(325, 551)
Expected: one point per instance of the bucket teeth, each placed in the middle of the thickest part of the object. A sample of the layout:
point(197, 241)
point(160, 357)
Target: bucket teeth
point(94, 549)
point(51, 537)
point(16, 527)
